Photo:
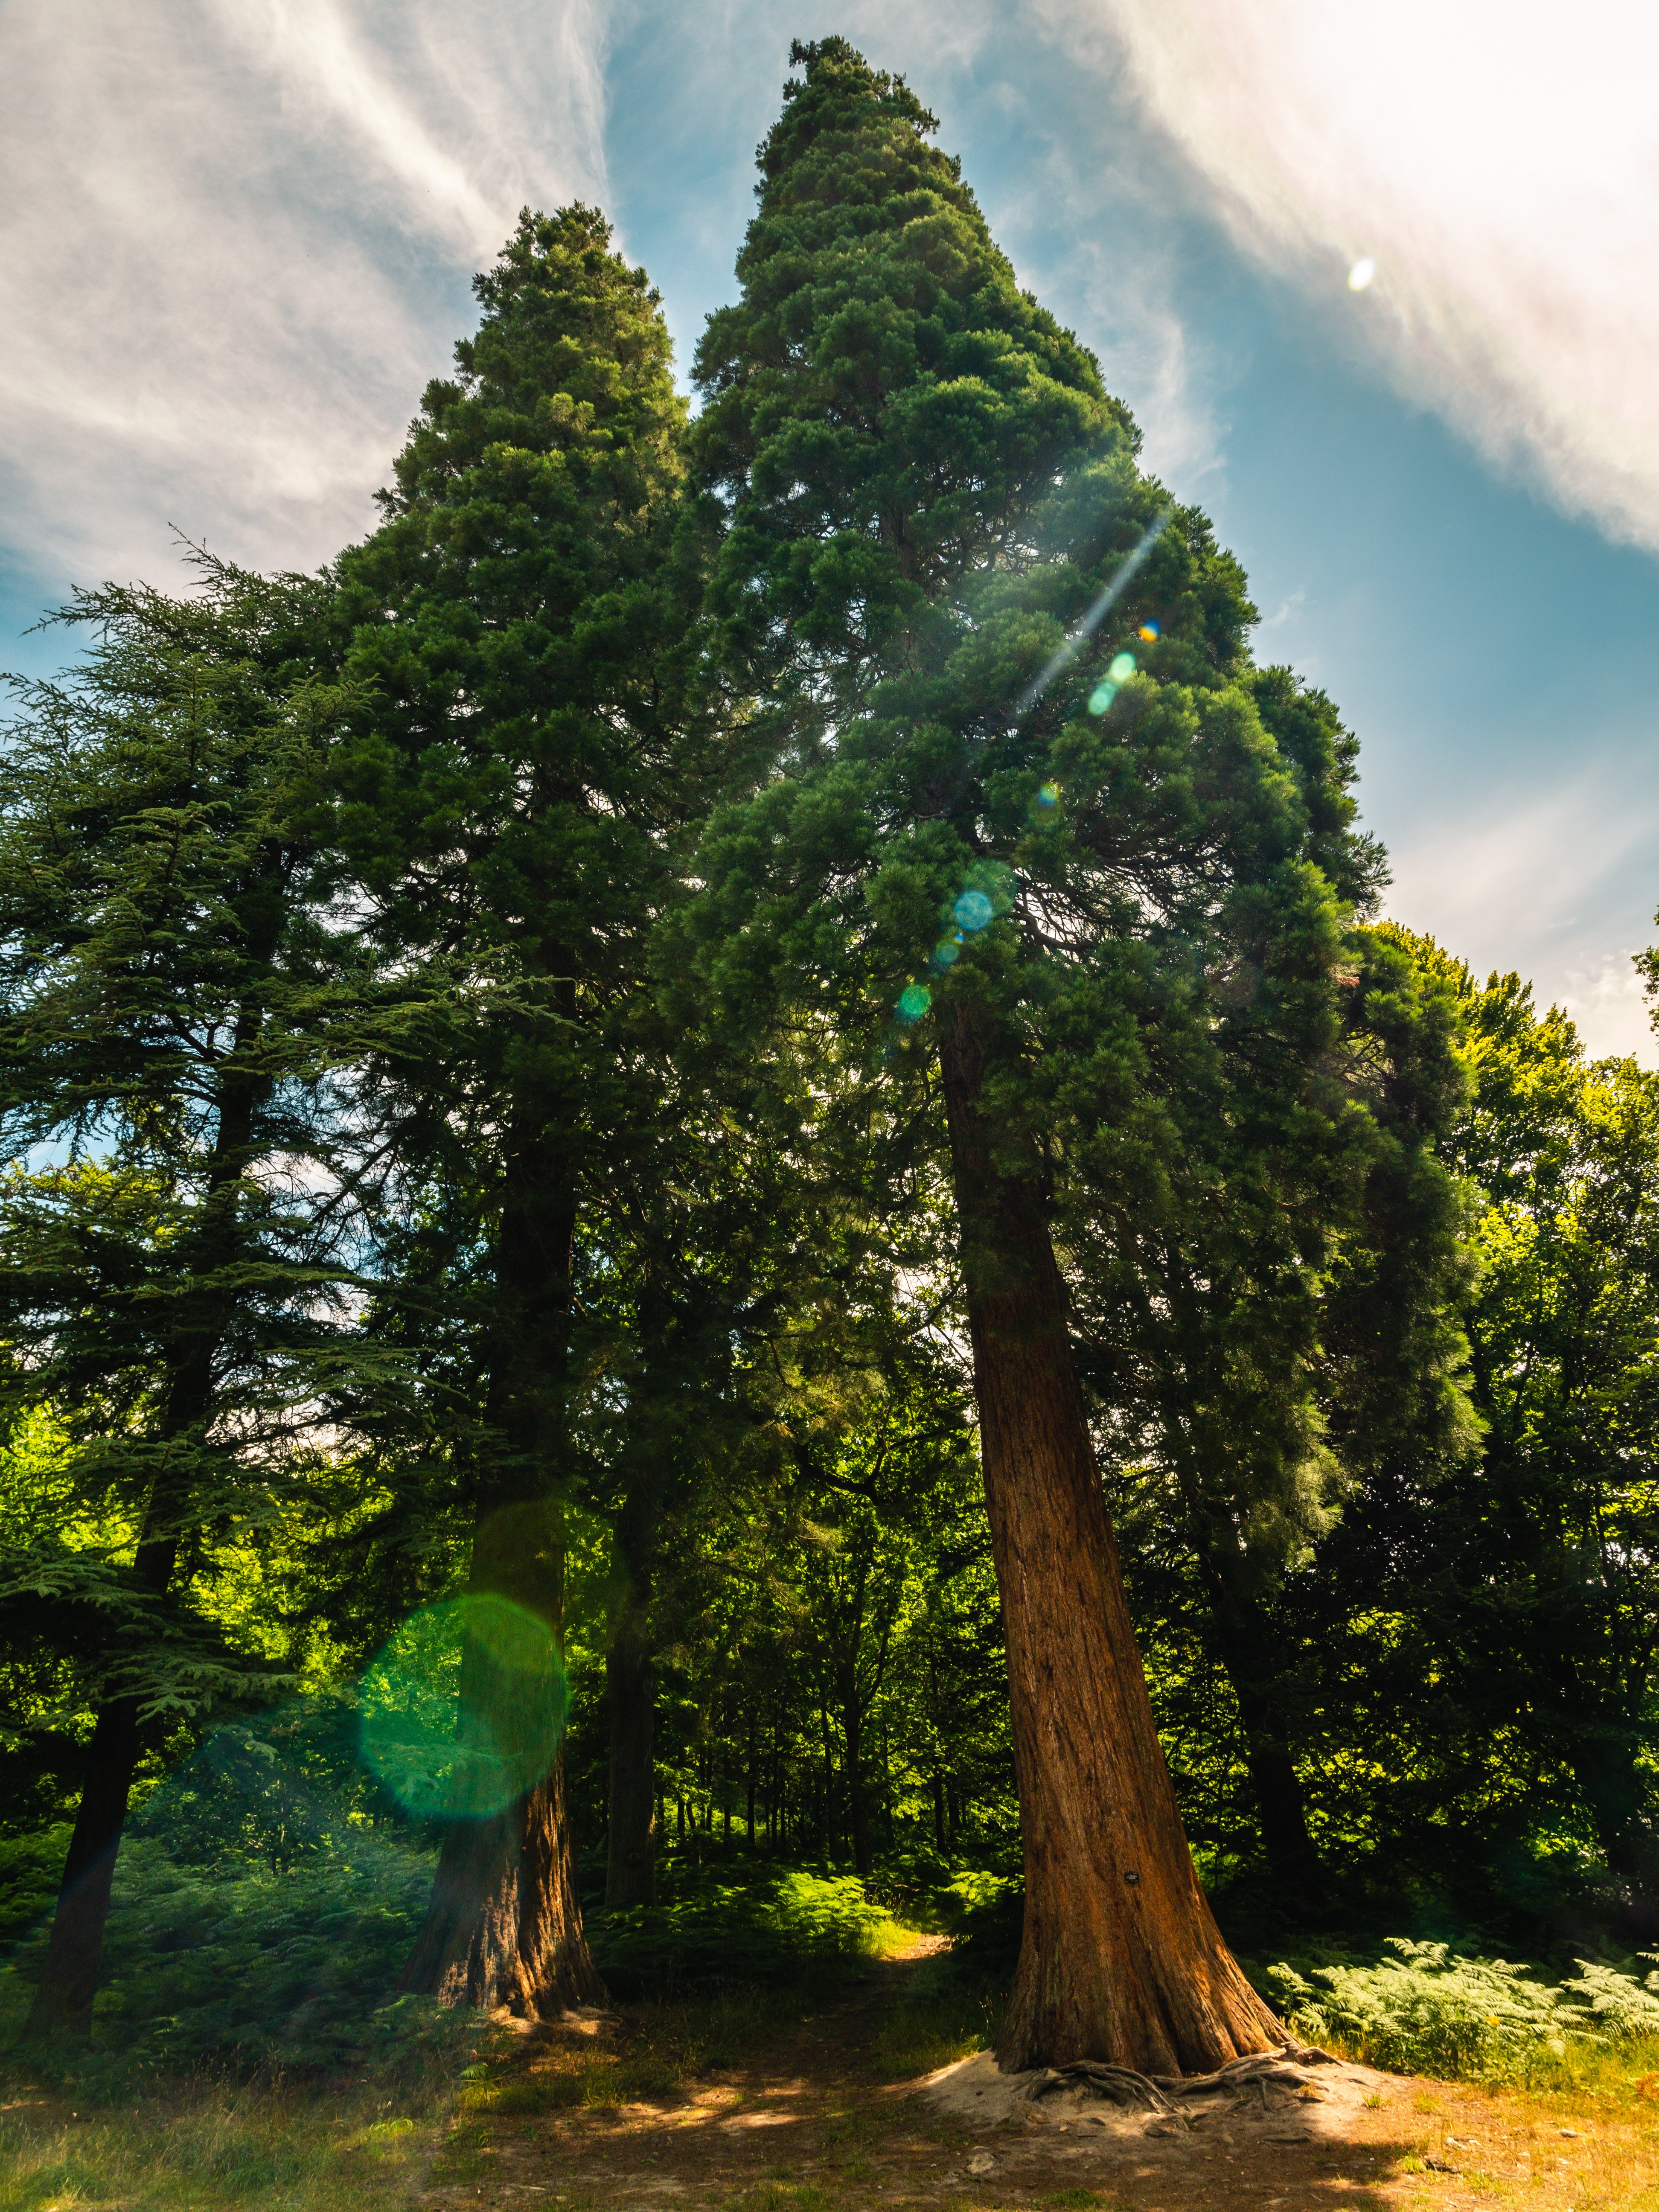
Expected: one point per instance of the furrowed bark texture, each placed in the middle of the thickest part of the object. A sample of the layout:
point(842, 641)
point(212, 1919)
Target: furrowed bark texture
point(1121, 1960)
point(503, 1926)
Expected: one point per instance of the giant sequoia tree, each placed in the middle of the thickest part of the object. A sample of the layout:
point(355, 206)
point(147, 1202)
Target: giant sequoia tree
point(512, 806)
point(1040, 876)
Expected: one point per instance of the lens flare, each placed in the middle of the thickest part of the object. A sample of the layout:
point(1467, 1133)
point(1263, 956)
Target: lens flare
point(1101, 698)
point(913, 1002)
point(438, 1760)
point(1361, 273)
point(948, 951)
point(1128, 570)
point(1149, 633)
point(1123, 667)
point(1047, 794)
point(973, 910)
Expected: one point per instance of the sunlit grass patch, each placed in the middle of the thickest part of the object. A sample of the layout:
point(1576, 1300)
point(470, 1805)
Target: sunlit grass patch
point(784, 2196)
point(945, 2015)
point(217, 2149)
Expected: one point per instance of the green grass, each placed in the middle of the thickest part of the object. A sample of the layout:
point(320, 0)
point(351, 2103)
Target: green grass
point(216, 2149)
point(948, 2011)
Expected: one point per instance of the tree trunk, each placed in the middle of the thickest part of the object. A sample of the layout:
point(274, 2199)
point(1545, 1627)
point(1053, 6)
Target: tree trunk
point(858, 1801)
point(630, 1875)
point(1247, 1645)
point(504, 1925)
point(1119, 1960)
point(69, 1979)
point(749, 1783)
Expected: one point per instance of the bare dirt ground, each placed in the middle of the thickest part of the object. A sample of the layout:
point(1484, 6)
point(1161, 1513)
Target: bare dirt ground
point(806, 2125)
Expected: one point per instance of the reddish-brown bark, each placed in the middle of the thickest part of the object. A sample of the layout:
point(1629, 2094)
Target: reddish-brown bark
point(1121, 1958)
point(504, 1926)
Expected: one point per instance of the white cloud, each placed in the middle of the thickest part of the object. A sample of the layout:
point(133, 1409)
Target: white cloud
point(1610, 1007)
point(1540, 887)
point(1498, 161)
point(234, 237)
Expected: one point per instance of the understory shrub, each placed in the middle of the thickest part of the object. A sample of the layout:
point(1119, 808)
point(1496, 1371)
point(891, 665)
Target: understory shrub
point(1428, 2010)
point(777, 1927)
point(229, 1972)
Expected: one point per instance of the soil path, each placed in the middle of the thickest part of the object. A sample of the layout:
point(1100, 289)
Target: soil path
point(806, 2125)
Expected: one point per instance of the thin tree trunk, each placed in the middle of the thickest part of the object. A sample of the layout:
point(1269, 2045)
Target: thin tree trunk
point(630, 1875)
point(749, 1815)
point(630, 1860)
point(1247, 1645)
point(1119, 1960)
point(858, 1804)
point(69, 1979)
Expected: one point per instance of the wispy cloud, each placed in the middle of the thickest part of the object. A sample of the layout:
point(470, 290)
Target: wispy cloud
point(1541, 886)
point(234, 243)
point(1496, 160)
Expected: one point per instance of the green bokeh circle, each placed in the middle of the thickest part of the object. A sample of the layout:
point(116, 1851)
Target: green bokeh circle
point(445, 1759)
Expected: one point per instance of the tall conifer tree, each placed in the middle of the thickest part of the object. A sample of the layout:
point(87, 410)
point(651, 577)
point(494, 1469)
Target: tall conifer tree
point(513, 807)
point(1029, 878)
point(176, 993)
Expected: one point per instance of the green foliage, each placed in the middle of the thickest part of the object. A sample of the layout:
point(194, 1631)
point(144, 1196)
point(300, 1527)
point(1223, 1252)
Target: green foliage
point(775, 1928)
point(29, 1868)
point(293, 1971)
point(1428, 2010)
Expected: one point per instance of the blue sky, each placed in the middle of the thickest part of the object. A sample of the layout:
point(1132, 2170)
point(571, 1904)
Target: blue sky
point(239, 234)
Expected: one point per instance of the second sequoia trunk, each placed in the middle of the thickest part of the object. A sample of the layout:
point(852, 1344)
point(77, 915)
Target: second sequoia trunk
point(1121, 1958)
point(504, 1925)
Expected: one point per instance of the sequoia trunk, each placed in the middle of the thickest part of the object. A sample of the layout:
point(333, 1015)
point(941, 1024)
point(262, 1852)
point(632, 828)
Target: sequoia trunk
point(503, 1926)
point(1119, 1960)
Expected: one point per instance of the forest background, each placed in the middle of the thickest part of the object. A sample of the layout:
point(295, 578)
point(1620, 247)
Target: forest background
point(430, 1086)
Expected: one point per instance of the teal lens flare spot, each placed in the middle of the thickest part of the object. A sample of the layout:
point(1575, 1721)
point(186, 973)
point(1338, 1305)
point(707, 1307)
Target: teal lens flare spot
point(1048, 794)
point(973, 910)
point(1101, 698)
point(1123, 668)
point(442, 1760)
point(949, 950)
point(913, 1002)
